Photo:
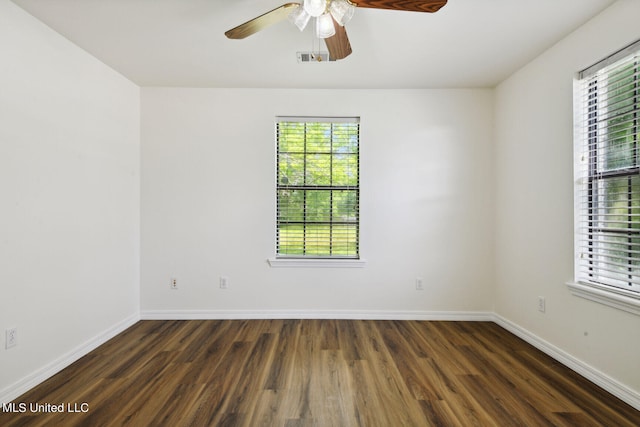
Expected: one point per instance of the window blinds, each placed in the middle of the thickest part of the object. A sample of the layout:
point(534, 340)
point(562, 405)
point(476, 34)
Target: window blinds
point(607, 172)
point(317, 187)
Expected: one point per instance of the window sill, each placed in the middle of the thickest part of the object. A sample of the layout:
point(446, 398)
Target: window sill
point(315, 263)
point(620, 299)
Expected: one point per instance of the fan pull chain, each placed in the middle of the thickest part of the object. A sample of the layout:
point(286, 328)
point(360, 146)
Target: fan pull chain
point(315, 53)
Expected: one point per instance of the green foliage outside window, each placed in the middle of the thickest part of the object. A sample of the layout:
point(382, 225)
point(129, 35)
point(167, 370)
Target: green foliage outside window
point(614, 254)
point(318, 189)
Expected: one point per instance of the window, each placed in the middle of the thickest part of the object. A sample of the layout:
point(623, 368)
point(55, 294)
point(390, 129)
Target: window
point(607, 173)
point(317, 188)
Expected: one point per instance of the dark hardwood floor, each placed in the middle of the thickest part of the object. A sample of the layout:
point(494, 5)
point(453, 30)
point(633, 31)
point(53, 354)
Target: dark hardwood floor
point(318, 373)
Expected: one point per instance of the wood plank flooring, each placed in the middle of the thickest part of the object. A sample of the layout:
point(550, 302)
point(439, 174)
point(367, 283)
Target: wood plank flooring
point(319, 373)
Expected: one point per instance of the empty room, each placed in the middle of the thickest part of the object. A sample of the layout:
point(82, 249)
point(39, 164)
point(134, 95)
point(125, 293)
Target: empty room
point(320, 213)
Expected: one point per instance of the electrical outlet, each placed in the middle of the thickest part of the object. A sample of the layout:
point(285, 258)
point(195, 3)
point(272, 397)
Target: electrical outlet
point(542, 306)
point(419, 284)
point(174, 283)
point(224, 282)
point(11, 336)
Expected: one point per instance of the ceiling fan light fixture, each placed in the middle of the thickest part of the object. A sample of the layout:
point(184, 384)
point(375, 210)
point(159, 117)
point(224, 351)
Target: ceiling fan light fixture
point(300, 18)
point(342, 11)
point(324, 26)
point(315, 8)
point(331, 16)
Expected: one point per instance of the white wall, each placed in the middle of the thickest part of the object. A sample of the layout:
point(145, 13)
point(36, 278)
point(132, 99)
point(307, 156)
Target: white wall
point(534, 203)
point(208, 203)
point(69, 199)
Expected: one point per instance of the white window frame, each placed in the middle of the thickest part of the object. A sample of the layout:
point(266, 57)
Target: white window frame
point(596, 275)
point(311, 261)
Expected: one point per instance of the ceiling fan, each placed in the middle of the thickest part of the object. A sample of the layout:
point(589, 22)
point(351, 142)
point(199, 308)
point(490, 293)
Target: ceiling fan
point(330, 18)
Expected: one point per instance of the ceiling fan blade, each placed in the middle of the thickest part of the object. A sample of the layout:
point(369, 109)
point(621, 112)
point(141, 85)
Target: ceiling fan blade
point(338, 45)
point(261, 22)
point(408, 5)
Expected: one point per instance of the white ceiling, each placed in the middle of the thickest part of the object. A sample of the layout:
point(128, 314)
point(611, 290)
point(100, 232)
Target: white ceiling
point(468, 43)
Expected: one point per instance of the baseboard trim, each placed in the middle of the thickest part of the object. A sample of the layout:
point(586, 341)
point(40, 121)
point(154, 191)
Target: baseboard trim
point(609, 384)
point(27, 383)
point(316, 314)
